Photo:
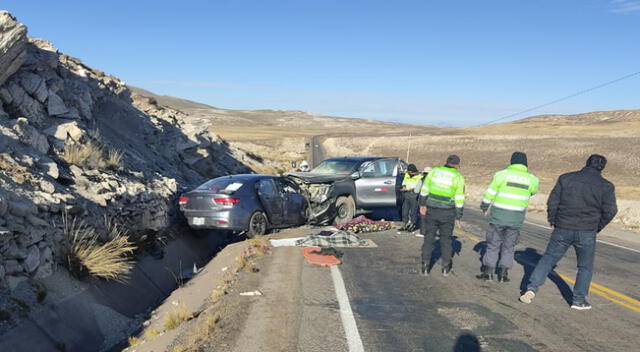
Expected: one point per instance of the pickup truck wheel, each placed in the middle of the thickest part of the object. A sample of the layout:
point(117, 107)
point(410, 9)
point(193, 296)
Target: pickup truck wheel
point(345, 210)
point(258, 225)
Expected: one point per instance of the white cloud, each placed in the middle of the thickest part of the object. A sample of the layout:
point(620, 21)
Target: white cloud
point(625, 6)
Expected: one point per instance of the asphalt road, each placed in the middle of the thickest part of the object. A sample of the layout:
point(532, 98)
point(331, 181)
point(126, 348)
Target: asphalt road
point(397, 310)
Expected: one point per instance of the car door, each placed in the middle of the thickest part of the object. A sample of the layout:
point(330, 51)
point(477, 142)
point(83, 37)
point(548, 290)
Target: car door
point(271, 200)
point(294, 203)
point(377, 184)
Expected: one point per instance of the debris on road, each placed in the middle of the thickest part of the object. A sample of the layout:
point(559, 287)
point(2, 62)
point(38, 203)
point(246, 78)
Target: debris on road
point(251, 293)
point(314, 256)
point(361, 224)
point(336, 239)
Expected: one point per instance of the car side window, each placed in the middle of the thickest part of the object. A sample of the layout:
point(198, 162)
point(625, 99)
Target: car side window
point(266, 187)
point(379, 168)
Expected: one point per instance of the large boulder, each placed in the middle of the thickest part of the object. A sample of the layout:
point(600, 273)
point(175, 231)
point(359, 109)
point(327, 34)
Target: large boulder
point(13, 42)
point(30, 136)
point(61, 131)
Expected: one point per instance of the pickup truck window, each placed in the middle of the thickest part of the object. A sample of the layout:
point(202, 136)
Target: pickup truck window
point(380, 168)
point(335, 167)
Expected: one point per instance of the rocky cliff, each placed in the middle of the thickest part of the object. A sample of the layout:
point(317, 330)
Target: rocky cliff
point(75, 140)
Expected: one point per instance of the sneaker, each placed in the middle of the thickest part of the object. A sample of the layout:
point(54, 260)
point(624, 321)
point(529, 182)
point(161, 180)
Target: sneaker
point(424, 270)
point(527, 297)
point(503, 275)
point(581, 306)
point(486, 275)
point(446, 271)
point(418, 234)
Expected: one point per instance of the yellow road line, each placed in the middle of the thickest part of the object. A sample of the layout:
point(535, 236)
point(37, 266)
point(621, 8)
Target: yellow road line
point(595, 288)
point(605, 295)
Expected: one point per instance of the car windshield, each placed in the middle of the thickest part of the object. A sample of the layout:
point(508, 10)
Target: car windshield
point(221, 185)
point(336, 167)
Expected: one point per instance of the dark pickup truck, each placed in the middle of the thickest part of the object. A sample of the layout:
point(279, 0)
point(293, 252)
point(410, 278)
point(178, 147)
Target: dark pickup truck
point(337, 188)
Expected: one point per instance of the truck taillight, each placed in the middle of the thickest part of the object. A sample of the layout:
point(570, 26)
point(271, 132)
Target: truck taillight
point(183, 200)
point(229, 202)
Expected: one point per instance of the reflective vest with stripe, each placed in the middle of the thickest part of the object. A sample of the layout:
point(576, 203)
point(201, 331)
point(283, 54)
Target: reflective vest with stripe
point(411, 182)
point(511, 188)
point(444, 186)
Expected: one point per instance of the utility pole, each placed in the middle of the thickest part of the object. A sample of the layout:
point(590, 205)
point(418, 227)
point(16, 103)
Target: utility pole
point(408, 147)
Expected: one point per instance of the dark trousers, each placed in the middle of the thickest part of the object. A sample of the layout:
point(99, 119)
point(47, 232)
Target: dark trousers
point(409, 206)
point(442, 220)
point(501, 244)
point(584, 242)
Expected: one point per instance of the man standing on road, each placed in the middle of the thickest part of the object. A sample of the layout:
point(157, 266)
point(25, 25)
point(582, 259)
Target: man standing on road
point(409, 199)
point(508, 197)
point(581, 204)
point(441, 205)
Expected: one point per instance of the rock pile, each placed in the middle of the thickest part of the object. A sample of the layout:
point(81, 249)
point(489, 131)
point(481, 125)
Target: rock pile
point(75, 140)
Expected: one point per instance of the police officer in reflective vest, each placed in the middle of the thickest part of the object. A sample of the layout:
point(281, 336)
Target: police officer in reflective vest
point(409, 199)
point(441, 205)
point(507, 198)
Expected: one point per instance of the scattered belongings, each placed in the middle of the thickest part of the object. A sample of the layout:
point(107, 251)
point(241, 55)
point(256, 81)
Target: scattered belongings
point(338, 238)
point(329, 251)
point(251, 293)
point(325, 239)
point(314, 256)
point(361, 224)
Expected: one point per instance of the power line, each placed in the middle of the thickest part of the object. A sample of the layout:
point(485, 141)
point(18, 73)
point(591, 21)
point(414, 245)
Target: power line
point(563, 98)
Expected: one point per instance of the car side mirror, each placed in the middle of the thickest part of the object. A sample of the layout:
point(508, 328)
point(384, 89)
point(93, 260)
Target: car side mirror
point(355, 175)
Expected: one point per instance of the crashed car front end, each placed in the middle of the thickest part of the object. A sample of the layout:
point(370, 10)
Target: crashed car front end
point(319, 196)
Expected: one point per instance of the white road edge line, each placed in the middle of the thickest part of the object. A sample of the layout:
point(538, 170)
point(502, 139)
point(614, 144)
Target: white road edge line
point(601, 241)
point(348, 320)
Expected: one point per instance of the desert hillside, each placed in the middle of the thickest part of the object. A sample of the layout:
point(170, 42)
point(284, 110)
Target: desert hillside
point(77, 146)
point(555, 143)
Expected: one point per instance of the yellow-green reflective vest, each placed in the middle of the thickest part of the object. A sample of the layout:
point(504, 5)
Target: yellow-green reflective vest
point(511, 188)
point(444, 186)
point(411, 182)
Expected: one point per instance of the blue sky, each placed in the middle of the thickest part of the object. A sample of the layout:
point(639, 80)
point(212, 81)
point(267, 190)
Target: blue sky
point(444, 62)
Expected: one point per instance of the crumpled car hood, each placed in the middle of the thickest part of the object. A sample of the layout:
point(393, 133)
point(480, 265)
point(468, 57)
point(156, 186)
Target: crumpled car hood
point(315, 178)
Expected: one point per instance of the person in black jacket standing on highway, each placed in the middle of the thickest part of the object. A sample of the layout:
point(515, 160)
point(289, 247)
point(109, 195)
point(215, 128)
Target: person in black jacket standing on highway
point(581, 204)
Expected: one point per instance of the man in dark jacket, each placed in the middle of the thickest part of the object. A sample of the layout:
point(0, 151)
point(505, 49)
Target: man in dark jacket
point(581, 204)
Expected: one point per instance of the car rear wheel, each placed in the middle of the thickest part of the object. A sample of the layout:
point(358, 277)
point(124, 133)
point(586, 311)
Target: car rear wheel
point(345, 210)
point(258, 225)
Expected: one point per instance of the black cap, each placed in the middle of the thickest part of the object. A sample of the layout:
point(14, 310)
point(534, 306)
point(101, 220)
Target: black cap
point(519, 158)
point(597, 161)
point(453, 160)
point(412, 168)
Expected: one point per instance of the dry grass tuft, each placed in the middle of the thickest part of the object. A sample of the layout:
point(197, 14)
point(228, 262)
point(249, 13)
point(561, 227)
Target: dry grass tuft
point(109, 260)
point(152, 333)
point(177, 317)
point(114, 159)
point(134, 341)
point(89, 154)
point(178, 349)
point(217, 294)
point(241, 262)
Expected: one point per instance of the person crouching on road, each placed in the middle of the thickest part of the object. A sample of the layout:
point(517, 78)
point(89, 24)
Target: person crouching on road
point(441, 206)
point(508, 197)
point(581, 204)
point(409, 199)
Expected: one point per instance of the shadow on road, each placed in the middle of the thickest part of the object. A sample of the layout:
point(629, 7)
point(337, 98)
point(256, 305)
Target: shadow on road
point(529, 259)
point(456, 247)
point(481, 249)
point(467, 342)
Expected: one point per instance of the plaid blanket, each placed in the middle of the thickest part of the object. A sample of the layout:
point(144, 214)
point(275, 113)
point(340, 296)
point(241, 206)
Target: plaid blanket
point(362, 224)
point(338, 238)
